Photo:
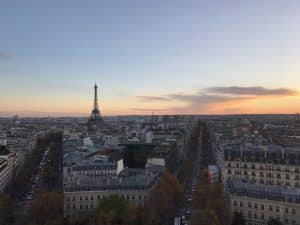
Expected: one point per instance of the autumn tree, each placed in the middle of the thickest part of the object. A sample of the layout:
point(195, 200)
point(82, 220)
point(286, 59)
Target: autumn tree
point(211, 196)
point(165, 196)
point(46, 208)
point(238, 219)
point(115, 210)
point(205, 217)
point(5, 208)
point(274, 222)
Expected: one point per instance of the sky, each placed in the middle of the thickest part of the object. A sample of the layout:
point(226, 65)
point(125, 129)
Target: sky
point(158, 56)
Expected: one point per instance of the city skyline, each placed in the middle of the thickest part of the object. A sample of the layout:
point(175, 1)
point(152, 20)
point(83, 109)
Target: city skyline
point(171, 57)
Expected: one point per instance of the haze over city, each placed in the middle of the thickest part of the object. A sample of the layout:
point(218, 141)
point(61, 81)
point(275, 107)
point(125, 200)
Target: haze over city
point(149, 112)
point(165, 57)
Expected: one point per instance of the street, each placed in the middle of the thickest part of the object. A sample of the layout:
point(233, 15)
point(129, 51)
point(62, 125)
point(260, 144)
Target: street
point(185, 212)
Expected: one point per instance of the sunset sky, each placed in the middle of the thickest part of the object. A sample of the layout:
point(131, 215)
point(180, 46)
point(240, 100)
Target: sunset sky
point(160, 56)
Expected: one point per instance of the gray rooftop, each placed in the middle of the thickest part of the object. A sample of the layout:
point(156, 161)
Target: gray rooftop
point(262, 191)
point(138, 180)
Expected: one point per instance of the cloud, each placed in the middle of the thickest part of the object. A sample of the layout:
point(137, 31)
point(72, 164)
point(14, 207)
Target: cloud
point(203, 98)
point(213, 99)
point(4, 56)
point(152, 98)
point(253, 90)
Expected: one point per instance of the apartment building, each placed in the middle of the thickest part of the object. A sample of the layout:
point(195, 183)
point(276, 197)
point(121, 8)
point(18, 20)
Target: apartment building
point(84, 194)
point(265, 165)
point(263, 183)
point(258, 203)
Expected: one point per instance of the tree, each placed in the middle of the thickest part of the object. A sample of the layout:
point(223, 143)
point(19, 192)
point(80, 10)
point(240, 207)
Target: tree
point(46, 208)
point(5, 205)
point(164, 197)
point(238, 219)
point(205, 217)
point(115, 210)
point(212, 196)
point(274, 222)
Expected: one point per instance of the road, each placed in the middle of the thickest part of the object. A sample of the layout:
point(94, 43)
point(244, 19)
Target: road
point(185, 212)
point(19, 213)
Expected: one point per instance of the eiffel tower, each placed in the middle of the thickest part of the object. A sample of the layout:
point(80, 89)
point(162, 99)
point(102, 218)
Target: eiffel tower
point(95, 121)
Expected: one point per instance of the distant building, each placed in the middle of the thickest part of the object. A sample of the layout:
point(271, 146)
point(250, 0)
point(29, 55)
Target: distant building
point(9, 164)
point(213, 174)
point(155, 162)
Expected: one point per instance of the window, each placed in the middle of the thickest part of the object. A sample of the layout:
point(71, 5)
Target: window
point(286, 210)
point(277, 208)
point(80, 198)
point(255, 205)
point(249, 214)
point(271, 208)
point(241, 204)
point(229, 171)
point(92, 197)
point(234, 203)
point(261, 174)
point(99, 197)
point(86, 198)
point(262, 216)
point(294, 211)
point(249, 205)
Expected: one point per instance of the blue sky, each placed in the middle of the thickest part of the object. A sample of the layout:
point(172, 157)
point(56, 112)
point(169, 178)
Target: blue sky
point(52, 52)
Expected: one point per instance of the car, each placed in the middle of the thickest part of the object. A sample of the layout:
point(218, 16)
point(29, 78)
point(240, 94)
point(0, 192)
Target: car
point(29, 197)
point(188, 213)
point(184, 222)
